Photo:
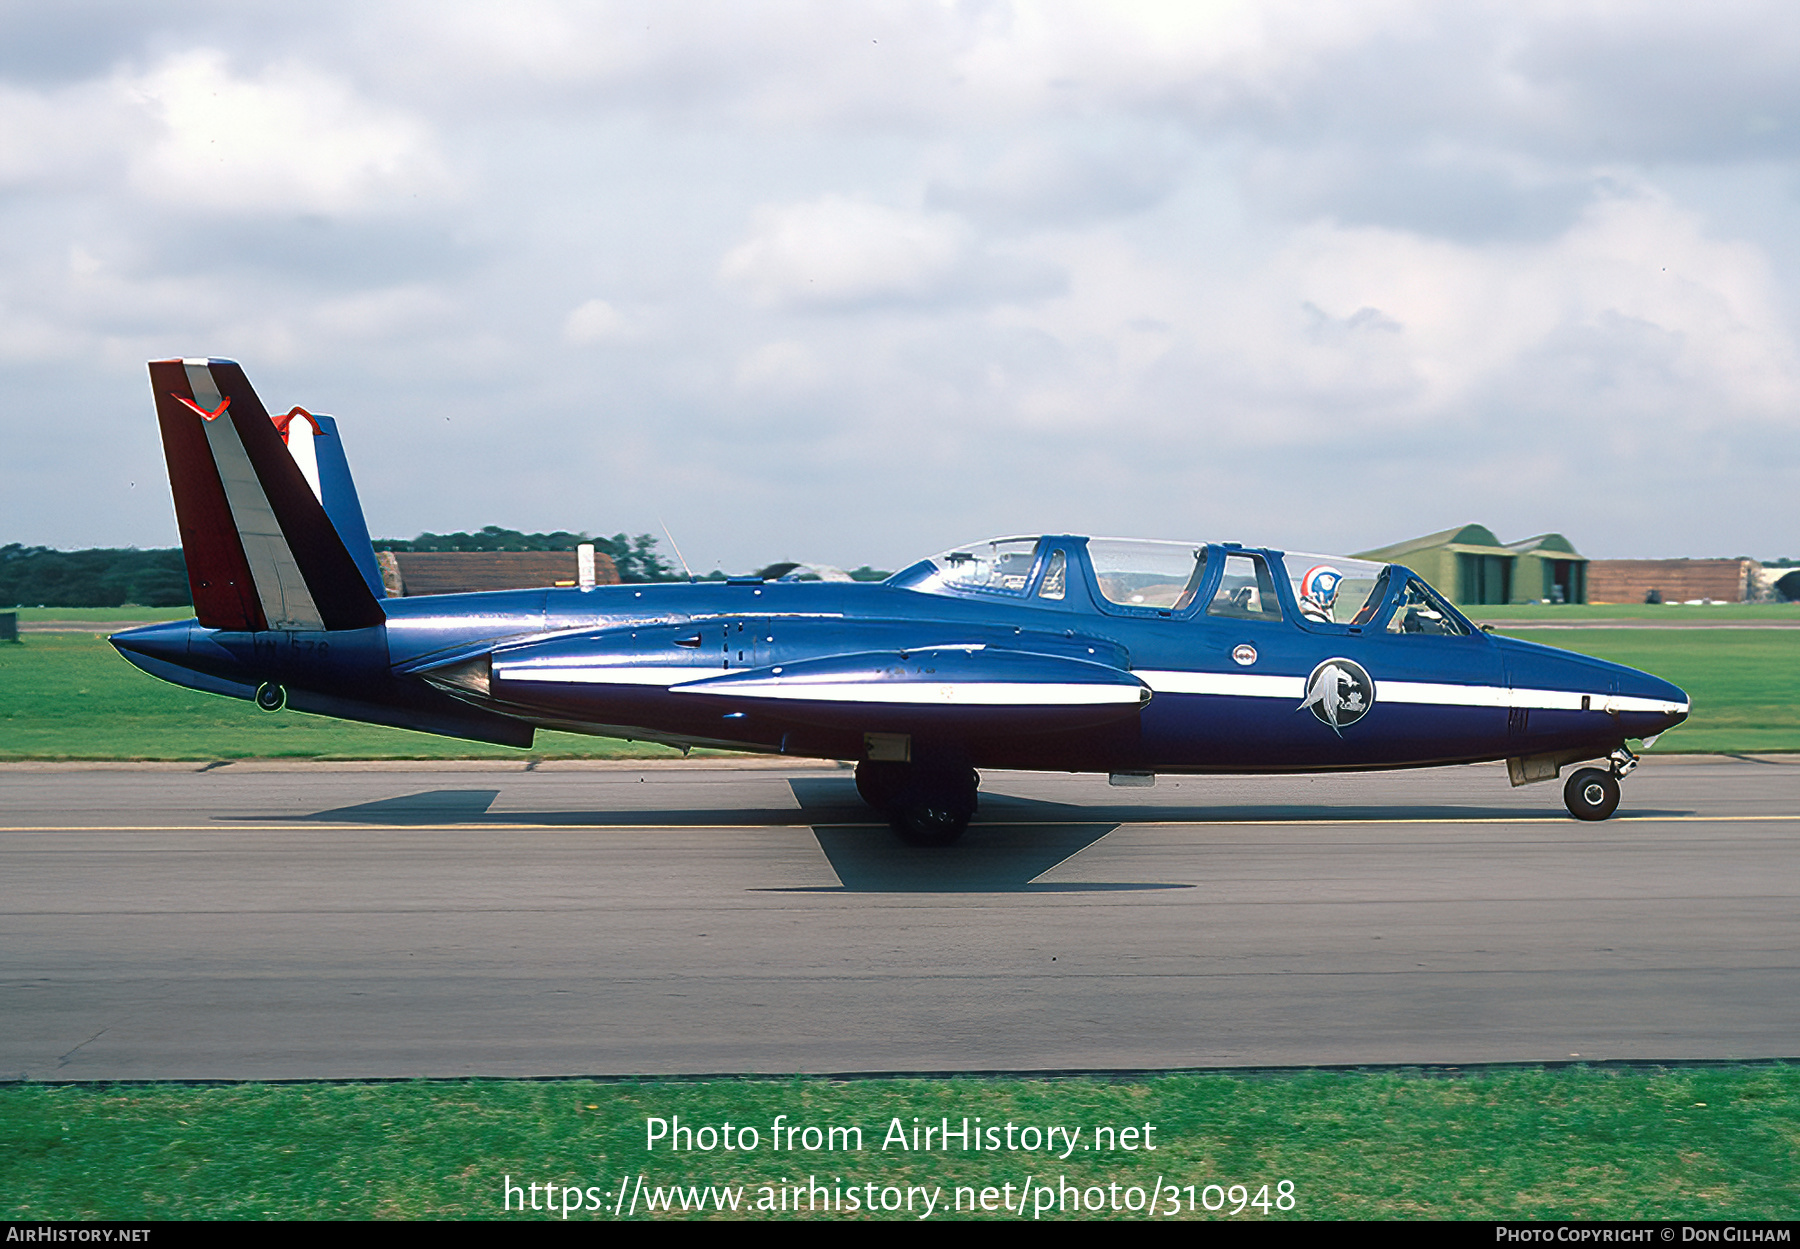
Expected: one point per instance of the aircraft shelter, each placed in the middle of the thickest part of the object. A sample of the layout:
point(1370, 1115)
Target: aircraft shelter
point(1474, 568)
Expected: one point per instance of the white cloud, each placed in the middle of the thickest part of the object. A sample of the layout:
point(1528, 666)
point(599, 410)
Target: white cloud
point(290, 139)
point(66, 137)
point(785, 369)
point(383, 315)
point(836, 251)
point(1467, 315)
point(594, 321)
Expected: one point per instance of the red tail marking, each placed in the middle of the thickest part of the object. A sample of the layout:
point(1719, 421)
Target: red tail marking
point(287, 418)
point(205, 415)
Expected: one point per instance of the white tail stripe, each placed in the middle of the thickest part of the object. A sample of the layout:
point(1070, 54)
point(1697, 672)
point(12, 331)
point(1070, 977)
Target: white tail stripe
point(286, 602)
point(300, 446)
point(200, 381)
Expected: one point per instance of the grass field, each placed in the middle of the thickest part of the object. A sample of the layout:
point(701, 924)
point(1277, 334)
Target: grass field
point(101, 615)
point(1575, 1143)
point(1744, 683)
point(71, 696)
point(1680, 614)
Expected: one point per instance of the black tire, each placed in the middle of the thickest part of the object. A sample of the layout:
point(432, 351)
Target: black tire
point(1591, 794)
point(933, 806)
point(927, 823)
point(270, 696)
point(880, 783)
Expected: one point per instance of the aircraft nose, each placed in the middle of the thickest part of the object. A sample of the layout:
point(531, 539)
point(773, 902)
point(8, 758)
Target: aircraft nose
point(1649, 705)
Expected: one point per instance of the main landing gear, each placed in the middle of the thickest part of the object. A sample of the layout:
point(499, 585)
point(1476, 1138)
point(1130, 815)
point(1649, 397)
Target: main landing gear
point(928, 805)
point(1591, 794)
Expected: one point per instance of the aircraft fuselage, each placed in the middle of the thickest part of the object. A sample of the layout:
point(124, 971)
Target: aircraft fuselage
point(1437, 699)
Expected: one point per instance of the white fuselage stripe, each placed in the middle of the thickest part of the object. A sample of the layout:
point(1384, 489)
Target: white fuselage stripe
point(1428, 693)
point(1020, 693)
point(601, 675)
point(937, 693)
point(1229, 684)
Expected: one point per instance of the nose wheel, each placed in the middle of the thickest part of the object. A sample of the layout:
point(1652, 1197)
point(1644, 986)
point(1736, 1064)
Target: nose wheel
point(1593, 794)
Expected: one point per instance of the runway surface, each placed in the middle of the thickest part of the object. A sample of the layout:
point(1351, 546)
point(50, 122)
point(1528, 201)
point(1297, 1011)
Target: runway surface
point(385, 921)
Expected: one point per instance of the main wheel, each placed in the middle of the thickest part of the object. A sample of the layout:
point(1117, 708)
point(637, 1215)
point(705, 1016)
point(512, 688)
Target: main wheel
point(1591, 794)
point(933, 805)
point(878, 783)
point(927, 823)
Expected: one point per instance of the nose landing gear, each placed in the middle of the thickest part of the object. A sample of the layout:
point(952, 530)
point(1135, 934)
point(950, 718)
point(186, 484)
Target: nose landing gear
point(1591, 794)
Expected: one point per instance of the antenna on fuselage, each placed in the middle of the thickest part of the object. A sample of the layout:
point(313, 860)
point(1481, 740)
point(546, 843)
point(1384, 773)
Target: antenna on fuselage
point(677, 550)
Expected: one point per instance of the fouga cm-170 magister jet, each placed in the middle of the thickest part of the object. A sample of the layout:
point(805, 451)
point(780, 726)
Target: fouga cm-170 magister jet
point(1056, 652)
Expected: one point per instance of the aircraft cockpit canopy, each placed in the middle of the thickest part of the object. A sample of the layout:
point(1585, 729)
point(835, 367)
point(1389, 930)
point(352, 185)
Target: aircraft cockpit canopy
point(1135, 572)
point(1002, 564)
point(1335, 589)
point(1166, 577)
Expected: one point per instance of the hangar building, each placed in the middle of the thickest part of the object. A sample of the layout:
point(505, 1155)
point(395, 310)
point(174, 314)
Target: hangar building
point(1474, 568)
point(454, 572)
point(1674, 580)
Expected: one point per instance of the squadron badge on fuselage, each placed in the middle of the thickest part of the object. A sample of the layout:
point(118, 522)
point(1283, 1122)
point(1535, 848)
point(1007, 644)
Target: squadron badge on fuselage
point(1339, 692)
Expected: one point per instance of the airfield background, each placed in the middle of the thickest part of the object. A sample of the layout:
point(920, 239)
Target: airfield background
point(1476, 569)
point(491, 558)
point(406, 573)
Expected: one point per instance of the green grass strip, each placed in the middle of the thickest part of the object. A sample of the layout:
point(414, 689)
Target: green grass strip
point(71, 696)
point(101, 617)
point(1577, 1143)
point(1744, 683)
point(1673, 614)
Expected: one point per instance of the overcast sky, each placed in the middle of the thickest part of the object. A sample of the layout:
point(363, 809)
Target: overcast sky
point(856, 282)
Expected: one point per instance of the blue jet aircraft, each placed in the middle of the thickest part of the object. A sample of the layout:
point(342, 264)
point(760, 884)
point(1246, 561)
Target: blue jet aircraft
point(1057, 652)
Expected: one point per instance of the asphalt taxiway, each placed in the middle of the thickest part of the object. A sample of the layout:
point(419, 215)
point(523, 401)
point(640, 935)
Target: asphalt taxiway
point(360, 921)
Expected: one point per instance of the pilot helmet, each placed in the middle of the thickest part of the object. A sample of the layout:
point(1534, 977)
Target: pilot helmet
point(1320, 584)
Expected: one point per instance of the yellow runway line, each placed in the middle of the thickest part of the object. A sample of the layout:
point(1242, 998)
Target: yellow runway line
point(623, 827)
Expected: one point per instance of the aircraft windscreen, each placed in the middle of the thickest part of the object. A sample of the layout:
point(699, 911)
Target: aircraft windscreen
point(1137, 572)
point(1332, 589)
point(1002, 564)
point(1421, 611)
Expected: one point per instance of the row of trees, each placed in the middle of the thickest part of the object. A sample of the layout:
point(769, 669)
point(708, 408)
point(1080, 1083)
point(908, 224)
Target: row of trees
point(41, 576)
point(93, 578)
point(38, 575)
